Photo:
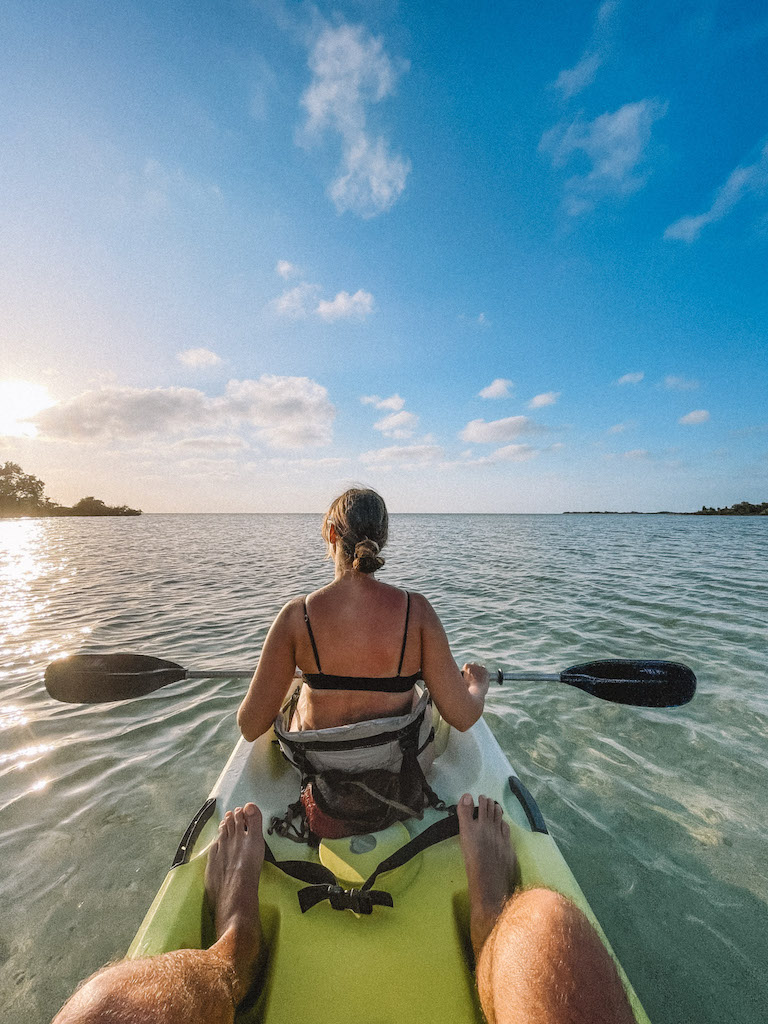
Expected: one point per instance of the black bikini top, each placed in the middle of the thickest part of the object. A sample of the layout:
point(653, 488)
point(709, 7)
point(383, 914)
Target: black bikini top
point(381, 684)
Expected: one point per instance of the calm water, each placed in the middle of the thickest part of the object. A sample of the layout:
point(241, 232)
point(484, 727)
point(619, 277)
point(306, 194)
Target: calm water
point(661, 814)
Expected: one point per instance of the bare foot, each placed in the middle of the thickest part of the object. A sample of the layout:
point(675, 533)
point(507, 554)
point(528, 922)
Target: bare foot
point(489, 861)
point(232, 886)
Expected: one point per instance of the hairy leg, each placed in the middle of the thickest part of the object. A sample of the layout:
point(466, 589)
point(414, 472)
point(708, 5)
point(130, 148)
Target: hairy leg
point(539, 960)
point(192, 986)
point(545, 964)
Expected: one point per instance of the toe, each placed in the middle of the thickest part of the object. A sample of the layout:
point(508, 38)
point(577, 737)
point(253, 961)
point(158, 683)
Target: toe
point(486, 809)
point(239, 819)
point(465, 810)
point(253, 820)
point(228, 824)
point(498, 813)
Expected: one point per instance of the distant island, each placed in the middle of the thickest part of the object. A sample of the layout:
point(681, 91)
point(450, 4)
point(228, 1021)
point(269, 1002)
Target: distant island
point(22, 494)
point(742, 508)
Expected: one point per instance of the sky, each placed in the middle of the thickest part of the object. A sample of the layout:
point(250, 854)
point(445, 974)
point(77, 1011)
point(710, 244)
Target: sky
point(489, 257)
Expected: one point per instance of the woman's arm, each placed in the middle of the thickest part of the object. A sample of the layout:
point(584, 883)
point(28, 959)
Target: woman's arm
point(273, 676)
point(459, 696)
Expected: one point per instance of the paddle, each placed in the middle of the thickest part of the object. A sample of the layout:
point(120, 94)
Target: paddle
point(93, 678)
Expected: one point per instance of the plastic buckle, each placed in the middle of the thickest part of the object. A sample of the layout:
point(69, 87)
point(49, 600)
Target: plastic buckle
point(350, 899)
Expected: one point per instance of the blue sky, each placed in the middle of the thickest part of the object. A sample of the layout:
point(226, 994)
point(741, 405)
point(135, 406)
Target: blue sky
point(485, 257)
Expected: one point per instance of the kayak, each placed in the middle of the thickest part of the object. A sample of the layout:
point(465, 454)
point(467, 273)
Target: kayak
point(333, 958)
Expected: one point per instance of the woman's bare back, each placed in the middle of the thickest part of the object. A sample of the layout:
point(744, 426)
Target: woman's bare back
point(359, 626)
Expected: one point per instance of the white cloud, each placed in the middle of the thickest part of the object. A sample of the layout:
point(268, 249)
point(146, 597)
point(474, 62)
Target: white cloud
point(404, 456)
point(398, 424)
point(619, 428)
point(304, 301)
point(741, 182)
point(508, 453)
point(394, 402)
point(547, 398)
point(297, 303)
point(680, 383)
point(615, 143)
point(284, 412)
point(498, 388)
point(482, 432)
point(637, 454)
point(198, 357)
point(574, 80)
point(696, 416)
point(227, 442)
point(286, 269)
point(346, 306)
point(630, 378)
point(350, 70)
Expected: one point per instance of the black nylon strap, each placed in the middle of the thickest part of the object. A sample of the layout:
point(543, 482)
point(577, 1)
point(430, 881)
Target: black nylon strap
point(357, 899)
point(362, 902)
point(405, 631)
point(443, 829)
point(303, 870)
point(311, 636)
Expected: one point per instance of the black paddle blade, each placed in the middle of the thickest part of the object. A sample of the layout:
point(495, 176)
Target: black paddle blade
point(645, 684)
point(96, 678)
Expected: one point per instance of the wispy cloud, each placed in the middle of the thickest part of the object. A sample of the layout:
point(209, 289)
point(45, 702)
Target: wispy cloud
point(697, 416)
point(394, 402)
point(351, 70)
point(210, 443)
point(346, 306)
point(407, 456)
point(198, 357)
point(398, 424)
point(507, 453)
point(572, 81)
point(284, 412)
point(299, 302)
point(494, 431)
point(616, 145)
point(303, 300)
point(619, 428)
point(672, 383)
point(286, 270)
point(547, 398)
point(498, 388)
point(631, 378)
point(741, 182)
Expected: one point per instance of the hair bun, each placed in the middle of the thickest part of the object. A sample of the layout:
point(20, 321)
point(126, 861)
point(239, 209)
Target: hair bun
point(367, 556)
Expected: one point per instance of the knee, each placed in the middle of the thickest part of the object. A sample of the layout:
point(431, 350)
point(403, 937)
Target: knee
point(543, 910)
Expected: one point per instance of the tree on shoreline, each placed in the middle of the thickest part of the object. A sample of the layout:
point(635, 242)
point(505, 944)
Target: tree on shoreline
point(741, 508)
point(22, 494)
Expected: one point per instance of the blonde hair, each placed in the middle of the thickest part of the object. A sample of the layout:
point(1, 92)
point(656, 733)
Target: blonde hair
point(360, 519)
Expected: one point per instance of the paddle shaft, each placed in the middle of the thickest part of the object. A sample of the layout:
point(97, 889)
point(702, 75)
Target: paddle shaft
point(500, 677)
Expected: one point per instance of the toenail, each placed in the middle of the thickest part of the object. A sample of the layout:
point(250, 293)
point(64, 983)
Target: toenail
point(467, 800)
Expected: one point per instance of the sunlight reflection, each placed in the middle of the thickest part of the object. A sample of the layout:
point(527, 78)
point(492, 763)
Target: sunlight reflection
point(22, 562)
point(29, 754)
point(11, 716)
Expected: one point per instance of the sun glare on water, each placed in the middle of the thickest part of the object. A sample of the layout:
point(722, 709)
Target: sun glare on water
point(19, 401)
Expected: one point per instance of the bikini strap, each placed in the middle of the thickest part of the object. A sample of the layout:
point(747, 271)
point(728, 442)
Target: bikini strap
point(312, 638)
point(405, 632)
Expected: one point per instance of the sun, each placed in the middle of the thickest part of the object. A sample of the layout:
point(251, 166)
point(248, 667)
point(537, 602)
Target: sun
point(19, 401)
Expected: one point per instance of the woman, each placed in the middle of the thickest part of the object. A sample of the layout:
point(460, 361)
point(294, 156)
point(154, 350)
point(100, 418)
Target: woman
point(360, 644)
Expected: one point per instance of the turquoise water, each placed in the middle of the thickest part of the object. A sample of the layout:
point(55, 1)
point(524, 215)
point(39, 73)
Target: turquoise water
point(661, 814)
